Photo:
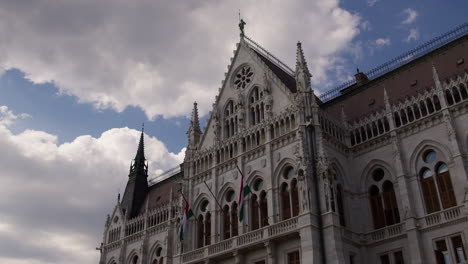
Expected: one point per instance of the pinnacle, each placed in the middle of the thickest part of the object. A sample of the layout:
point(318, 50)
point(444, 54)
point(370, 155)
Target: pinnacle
point(300, 59)
point(195, 123)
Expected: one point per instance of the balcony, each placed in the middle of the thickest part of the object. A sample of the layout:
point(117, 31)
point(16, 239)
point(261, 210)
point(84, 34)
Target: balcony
point(385, 233)
point(446, 216)
point(242, 241)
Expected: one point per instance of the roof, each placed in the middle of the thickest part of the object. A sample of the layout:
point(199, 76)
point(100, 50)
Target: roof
point(159, 194)
point(288, 80)
point(405, 81)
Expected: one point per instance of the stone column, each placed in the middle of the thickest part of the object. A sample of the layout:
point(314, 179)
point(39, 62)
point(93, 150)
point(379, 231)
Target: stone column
point(270, 249)
point(310, 245)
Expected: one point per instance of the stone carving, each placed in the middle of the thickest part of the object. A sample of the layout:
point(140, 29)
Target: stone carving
point(216, 124)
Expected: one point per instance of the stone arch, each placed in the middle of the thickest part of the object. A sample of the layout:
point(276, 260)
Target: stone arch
point(253, 175)
point(228, 100)
point(201, 197)
point(367, 172)
point(132, 253)
point(224, 188)
point(112, 261)
point(280, 168)
point(423, 146)
point(157, 244)
point(336, 164)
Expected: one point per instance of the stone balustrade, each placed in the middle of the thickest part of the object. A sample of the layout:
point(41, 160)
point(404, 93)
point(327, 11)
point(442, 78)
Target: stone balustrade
point(244, 240)
point(442, 217)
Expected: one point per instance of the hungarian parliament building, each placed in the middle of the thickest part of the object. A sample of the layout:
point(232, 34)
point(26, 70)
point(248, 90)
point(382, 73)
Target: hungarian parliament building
point(373, 171)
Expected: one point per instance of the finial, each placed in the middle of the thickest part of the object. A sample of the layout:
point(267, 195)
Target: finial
point(357, 70)
point(118, 197)
point(143, 127)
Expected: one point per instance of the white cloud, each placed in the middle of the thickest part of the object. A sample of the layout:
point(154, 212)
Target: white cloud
point(411, 16)
point(7, 117)
point(413, 35)
point(160, 57)
point(371, 2)
point(57, 195)
point(382, 42)
point(366, 25)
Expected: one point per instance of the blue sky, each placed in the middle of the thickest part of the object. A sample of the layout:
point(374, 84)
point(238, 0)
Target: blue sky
point(78, 79)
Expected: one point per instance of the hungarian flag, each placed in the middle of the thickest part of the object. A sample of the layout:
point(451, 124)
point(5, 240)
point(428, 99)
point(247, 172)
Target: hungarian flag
point(187, 214)
point(243, 192)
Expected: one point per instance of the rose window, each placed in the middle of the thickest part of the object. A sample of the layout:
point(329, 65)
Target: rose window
point(243, 77)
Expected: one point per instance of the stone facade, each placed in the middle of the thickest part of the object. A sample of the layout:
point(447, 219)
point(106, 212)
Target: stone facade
point(375, 174)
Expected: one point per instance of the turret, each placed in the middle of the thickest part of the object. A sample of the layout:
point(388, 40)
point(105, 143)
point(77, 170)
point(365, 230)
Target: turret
point(137, 185)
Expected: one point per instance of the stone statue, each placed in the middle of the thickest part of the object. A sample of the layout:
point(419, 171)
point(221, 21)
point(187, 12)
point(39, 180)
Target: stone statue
point(241, 27)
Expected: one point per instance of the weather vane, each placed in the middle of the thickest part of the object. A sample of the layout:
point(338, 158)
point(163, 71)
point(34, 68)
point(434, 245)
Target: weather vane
point(241, 25)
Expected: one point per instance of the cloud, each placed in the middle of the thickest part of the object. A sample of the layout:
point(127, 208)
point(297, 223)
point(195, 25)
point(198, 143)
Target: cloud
point(413, 35)
point(382, 42)
point(7, 117)
point(411, 16)
point(157, 56)
point(57, 195)
point(371, 2)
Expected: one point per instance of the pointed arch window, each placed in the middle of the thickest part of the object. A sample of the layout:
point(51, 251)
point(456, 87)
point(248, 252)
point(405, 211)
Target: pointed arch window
point(437, 193)
point(339, 201)
point(204, 225)
point(383, 202)
point(158, 258)
point(230, 221)
point(258, 205)
point(289, 194)
point(256, 106)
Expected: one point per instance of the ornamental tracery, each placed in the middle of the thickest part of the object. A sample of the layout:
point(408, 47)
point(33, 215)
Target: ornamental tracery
point(243, 77)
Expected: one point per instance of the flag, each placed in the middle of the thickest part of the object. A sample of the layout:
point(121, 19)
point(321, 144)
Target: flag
point(243, 192)
point(187, 214)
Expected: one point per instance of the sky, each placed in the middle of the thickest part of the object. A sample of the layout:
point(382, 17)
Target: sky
point(78, 79)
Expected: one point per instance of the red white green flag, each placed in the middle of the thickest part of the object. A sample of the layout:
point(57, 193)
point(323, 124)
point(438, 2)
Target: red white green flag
point(187, 214)
point(243, 192)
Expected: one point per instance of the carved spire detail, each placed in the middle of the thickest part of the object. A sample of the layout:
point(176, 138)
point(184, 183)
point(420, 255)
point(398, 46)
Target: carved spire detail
point(435, 77)
point(302, 71)
point(194, 131)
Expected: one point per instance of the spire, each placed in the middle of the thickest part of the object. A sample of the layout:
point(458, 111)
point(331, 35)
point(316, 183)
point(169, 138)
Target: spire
point(302, 71)
point(140, 155)
point(194, 131)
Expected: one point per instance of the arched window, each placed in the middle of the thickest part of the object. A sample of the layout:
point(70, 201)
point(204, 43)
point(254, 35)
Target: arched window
point(257, 111)
point(392, 215)
point(285, 201)
point(229, 120)
point(438, 191)
point(135, 259)
point(289, 194)
point(376, 207)
point(382, 199)
point(258, 205)
point(157, 258)
point(230, 221)
point(226, 222)
point(203, 225)
point(444, 183)
point(208, 229)
point(201, 232)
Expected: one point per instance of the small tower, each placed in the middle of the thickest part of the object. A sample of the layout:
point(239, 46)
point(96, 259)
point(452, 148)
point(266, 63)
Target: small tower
point(194, 132)
point(137, 185)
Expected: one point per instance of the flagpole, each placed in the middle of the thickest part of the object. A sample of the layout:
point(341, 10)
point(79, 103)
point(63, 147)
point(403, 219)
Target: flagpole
point(217, 202)
point(194, 216)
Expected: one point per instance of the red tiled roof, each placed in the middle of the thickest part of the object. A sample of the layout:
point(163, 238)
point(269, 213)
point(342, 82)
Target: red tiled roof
point(398, 83)
point(160, 193)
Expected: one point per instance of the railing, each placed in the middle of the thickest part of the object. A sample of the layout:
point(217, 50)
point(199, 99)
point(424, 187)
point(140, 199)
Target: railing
point(386, 232)
point(402, 59)
point(243, 240)
point(441, 217)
